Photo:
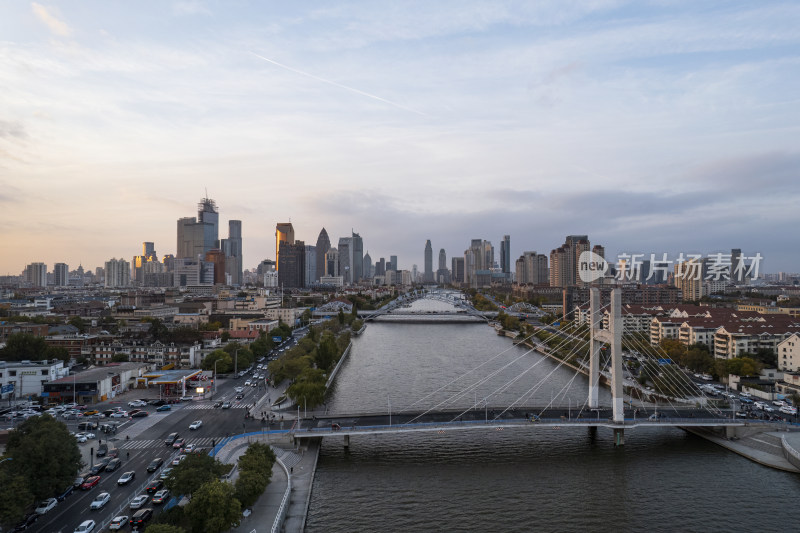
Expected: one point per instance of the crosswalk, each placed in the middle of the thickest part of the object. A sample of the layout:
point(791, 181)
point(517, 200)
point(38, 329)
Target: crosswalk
point(234, 405)
point(138, 444)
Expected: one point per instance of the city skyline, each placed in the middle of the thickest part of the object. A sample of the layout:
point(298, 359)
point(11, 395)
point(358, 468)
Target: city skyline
point(654, 128)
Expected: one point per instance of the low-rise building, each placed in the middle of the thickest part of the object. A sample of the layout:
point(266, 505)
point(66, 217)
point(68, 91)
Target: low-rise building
point(789, 353)
point(94, 385)
point(25, 378)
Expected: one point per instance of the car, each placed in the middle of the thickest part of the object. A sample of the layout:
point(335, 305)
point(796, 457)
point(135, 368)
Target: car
point(132, 412)
point(140, 414)
point(102, 450)
point(178, 460)
point(91, 412)
point(160, 496)
point(118, 414)
point(196, 424)
point(239, 389)
point(190, 448)
point(187, 398)
point(165, 473)
point(171, 438)
point(247, 384)
point(164, 408)
point(78, 481)
point(137, 403)
point(140, 517)
point(113, 464)
point(155, 464)
point(85, 527)
point(118, 522)
point(217, 404)
point(769, 409)
point(239, 396)
point(226, 405)
point(157, 403)
point(100, 501)
point(81, 438)
point(46, 505)
point(155, 486)
point(179, 443)
point(126, 478)
point(66, 492)
point(113, 453)
point(138, 501)
point(788, 410)
point(98, 467)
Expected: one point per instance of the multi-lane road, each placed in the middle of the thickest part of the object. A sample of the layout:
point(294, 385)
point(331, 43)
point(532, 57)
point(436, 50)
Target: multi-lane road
point(140, 440)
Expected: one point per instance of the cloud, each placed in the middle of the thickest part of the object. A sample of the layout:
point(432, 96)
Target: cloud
point(57, 26)
point(12, 129)
point(187, 7)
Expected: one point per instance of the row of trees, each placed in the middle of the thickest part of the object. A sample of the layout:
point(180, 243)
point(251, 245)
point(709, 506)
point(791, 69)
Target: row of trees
point(28, 347)
point(44, 460)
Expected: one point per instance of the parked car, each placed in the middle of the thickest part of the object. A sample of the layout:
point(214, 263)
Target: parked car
point(190, 448)
point(85, 527)
point(140, 414)
point(164, 408)
point(27, 522)
point(196, 424)
point(100, 501)
point(118, 522)
point(171, 438)
point(160, 496)
point(119, 414)
point(155, 464)
point(113, 464)
point(126, 478)
point(78, 481)
point(178, 460)
point(140, 500)
point(165, 473)
point(140, 517)
point(46, 505)
point(155, 486)
point(188, 398)
point(137, 403)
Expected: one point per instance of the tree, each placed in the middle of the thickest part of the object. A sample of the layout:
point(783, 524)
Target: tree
point(340, 316)
point(164, 528)
point(158, 331)
point(308, 388)
point(15, 496)
point(120, 358)
point(255, 473)
point(214, 508)
point(327, 351)
point(225, 364)
point(78, 322)
point(262, 345)
point(45, 453)
point(193, 472)
point(28, 347)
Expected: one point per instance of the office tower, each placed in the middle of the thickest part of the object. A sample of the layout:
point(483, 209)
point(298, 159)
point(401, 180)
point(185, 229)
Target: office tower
point(60, 275)
point(148, 249)
point(345, 256)
point(442, 274)
point(393, 263)
point(169, 262)
point(505, 254)
point(232, 248)
point(191, 272)
point(292, 266)
point(310, 267)
point(442, 260)
point(357, 257)
point(196, 236)
point(457, 269)
point(208, 217)
point(332, 262)
point(267, 265)
point(284, 232)
point(139, 261)
point(36, 274)
point(216, 257)
point(414, 274)
point(323, 245)
point(428, 262)
point(118, 273)
point(380, 267)
point(367, 270)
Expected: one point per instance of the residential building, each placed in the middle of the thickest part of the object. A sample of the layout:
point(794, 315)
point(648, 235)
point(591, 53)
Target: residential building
point(505, 254)
point(118, 273)
point(36, 275)
point(60, 275)
point(789, 353)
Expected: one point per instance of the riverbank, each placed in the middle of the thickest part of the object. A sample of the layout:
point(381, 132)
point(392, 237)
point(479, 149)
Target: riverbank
point(764, 446)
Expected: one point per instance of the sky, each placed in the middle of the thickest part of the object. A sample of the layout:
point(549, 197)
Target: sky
point(651, 126)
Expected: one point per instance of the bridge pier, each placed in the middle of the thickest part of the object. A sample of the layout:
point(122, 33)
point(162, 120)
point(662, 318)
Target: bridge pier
point(619, 436)
point(346, 441)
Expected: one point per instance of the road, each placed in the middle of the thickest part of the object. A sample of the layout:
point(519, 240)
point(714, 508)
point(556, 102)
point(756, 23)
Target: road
point(146, 442)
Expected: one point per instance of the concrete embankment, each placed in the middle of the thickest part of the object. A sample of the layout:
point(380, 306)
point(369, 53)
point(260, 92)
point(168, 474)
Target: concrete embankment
point(763, 445)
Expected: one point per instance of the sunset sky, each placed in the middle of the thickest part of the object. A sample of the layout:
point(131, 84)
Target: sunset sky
point(650, 126)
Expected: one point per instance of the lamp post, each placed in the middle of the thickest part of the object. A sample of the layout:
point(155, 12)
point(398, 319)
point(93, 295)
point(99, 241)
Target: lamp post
point(305, 411)
point(215, 379)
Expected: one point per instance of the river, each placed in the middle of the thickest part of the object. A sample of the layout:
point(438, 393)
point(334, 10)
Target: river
point(537, 479)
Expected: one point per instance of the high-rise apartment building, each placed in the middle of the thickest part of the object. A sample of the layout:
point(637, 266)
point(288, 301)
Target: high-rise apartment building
point(36, 274)
point(60, 275)
point(323, 245)
point(531, 268)
point(564, 261)
point(284, 232)
point(118, 273)
point(428, 262)
point(505, 254)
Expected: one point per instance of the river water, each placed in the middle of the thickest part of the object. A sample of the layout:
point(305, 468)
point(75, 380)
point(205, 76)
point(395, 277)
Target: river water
point(537, 479)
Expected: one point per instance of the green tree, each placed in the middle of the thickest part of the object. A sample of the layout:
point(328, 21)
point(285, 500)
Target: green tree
point(158, 331)
point(193, 472)
point(184, 335)
point(262, 345)
point(164, 528)
point(340, 316)
point(45, 453)
point(25, 346)
point(120, 358)
point(255, 473)
point(214, 508)
point(327, 351)
point(357, 325)
point(15, 495)
point(225, 364)
point(308, 388)
point(78, 322)
point(249, 486)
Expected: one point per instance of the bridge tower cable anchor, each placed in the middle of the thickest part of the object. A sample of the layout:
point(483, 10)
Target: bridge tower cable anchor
point(613, 337)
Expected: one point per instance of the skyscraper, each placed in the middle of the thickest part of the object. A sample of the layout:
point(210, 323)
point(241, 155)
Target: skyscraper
point(442, 274)
point(505, 254)
point(428, 262)
point(292, 267)
point(392, 263)
point(60, 275)
point(118, 273)
point(216, 257)
point(345, 256)
point(323, 245)
point(380, 267)
point(284, 232)
point(36, 274)
point(232, 248)
point(196, 236)
point(310, 266)
point(457, 269)
point(367, 271)
point(357, 257)
point(332, 262)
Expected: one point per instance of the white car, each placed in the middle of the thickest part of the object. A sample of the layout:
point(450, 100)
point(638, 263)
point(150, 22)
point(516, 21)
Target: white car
point(196, 424)
point(239, 389)
point(178, 460)
point(138, 501)
point(190, 448)
point(137, 403)
point(119, 414)
point(81, 438)
point(85, 527)
point(246, 384)
point(118, 522)
point(126, 478)
point(100, 501)
point(46, 505)
point(788, 410)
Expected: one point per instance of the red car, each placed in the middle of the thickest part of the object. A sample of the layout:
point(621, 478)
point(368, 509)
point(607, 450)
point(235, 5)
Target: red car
point(179, 443)
point(90, 482)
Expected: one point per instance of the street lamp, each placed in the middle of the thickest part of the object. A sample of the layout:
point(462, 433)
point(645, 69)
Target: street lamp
point(215, 379)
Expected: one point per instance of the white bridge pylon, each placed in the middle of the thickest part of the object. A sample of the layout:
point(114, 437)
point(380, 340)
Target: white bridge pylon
point(612, 337)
